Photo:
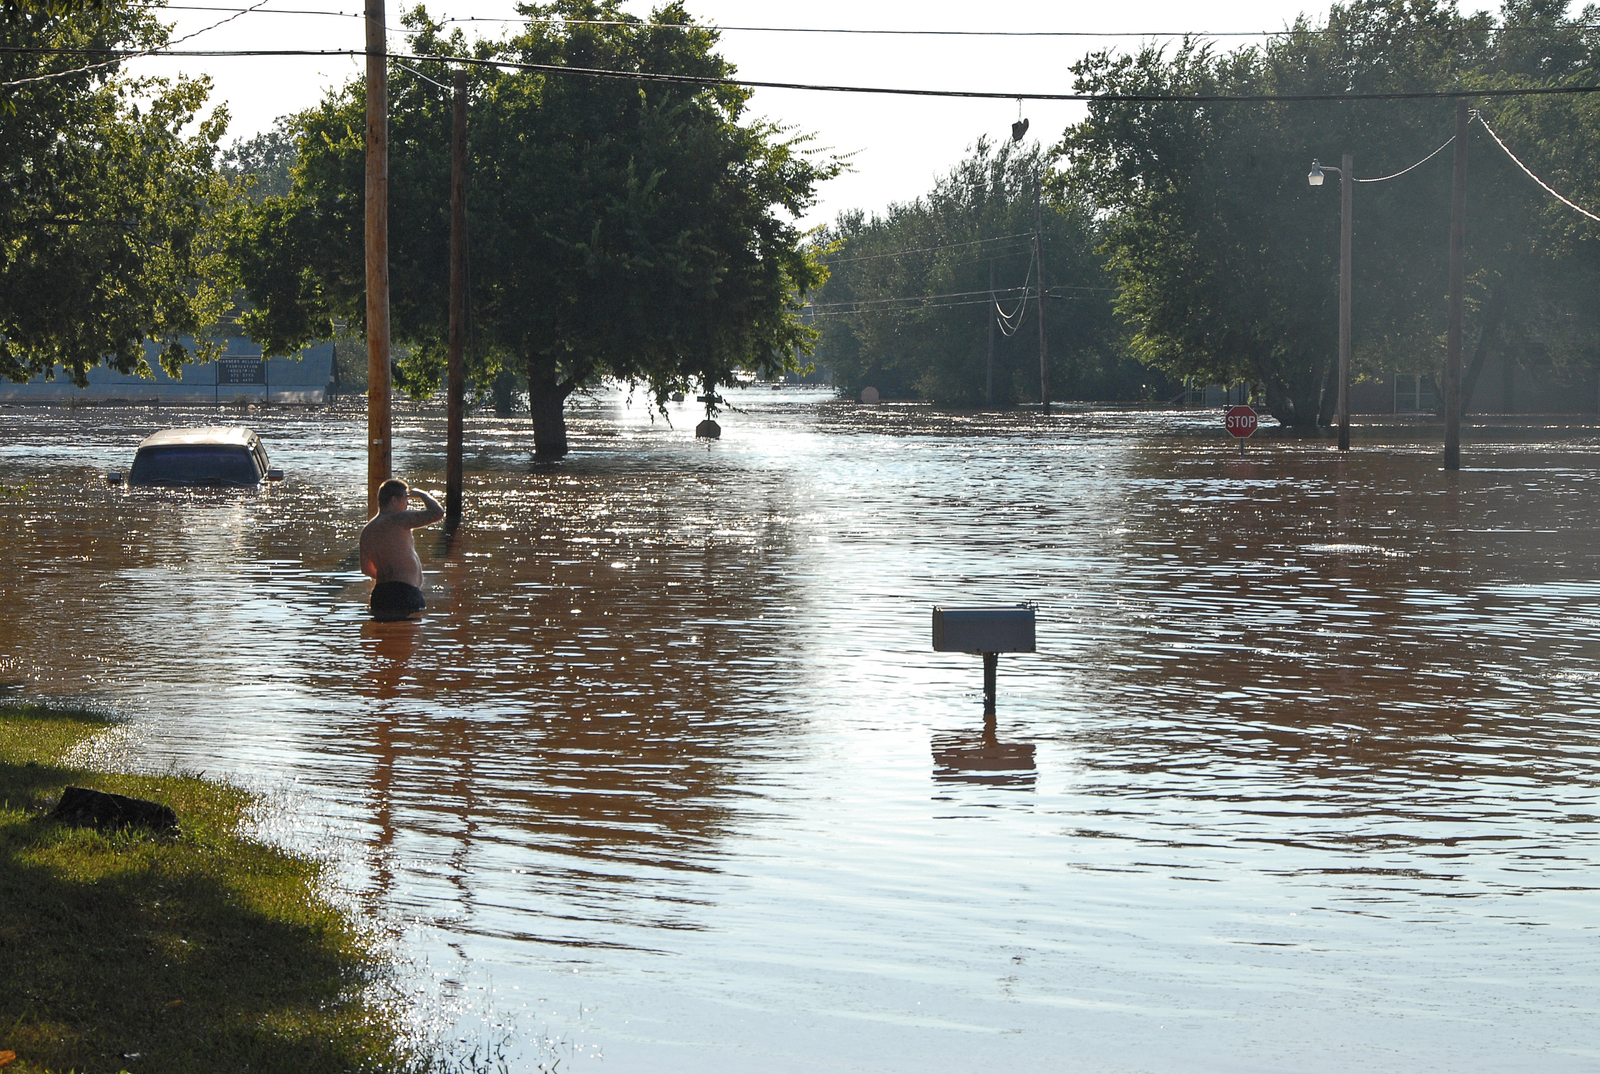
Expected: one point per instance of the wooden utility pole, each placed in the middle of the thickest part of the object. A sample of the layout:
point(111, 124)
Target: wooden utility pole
point(1038, 250)
point(1347, 183)
point(988, 375)
point(1458, 288)
point(380, 437)
point(458, 304)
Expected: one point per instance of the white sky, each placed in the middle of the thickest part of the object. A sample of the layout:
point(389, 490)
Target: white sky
point(901, 144)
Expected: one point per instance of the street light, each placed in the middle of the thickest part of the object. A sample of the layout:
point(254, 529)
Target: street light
point(1346, 183)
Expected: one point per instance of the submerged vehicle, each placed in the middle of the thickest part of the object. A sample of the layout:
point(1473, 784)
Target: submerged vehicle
point(220, 455)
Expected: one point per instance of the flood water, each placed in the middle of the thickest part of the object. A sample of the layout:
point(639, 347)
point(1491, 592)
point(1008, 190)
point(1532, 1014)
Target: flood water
point(1305, 775)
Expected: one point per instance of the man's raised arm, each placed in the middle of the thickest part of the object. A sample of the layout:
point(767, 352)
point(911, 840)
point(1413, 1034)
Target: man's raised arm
point(423, 518)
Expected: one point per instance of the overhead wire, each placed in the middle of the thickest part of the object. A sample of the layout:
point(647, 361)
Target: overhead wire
point(901, 31)
point(1546, 187)
point(48, 76)
point(926, 249)
point(1418, 164)
point(708, 82)
point(911, 298)
point(929, 306)
point(908, 309)
point(925, 32)
point(424, 77)
point(1010, 324)
point(266, 11)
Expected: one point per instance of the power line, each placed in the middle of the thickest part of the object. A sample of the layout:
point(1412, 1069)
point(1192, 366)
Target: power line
point(264, 11)
point(107, 63)
point(897, 31)
point(902, 309)
point(1418, 164)
point(1010, 323)
point(912, 298)
point(927, 249)
point(425, 78)
point(706, 82)
point(1050, 292)
point(1543, 185)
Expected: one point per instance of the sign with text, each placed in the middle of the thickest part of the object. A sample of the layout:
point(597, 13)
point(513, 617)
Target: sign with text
point(1240, 421)
point(241, 371)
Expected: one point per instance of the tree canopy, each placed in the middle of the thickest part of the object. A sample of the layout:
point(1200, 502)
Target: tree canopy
point(109, 201)
point(906, 308)
point(1227, 260)
point(637, 230)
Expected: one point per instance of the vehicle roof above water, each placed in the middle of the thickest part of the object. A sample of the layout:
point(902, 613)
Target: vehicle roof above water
point(208, 435)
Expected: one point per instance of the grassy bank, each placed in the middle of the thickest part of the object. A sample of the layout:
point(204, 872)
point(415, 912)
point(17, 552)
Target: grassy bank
point(202, 951)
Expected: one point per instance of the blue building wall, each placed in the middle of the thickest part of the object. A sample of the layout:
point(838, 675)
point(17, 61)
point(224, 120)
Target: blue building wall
point(240, 376)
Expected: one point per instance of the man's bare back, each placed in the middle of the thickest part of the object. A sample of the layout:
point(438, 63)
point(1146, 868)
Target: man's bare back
point(388, 554)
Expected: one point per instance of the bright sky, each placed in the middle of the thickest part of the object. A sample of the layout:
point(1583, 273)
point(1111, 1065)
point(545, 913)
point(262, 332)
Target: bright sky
point(900, 144)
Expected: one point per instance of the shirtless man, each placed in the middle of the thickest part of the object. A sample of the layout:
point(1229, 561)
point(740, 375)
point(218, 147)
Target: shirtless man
point(388, 554)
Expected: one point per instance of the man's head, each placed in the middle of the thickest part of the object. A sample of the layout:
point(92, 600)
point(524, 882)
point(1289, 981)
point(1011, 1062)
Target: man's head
point(393, 493)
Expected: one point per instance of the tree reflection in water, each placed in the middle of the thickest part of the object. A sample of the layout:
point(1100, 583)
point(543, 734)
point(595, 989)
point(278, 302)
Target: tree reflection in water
point(574, 694)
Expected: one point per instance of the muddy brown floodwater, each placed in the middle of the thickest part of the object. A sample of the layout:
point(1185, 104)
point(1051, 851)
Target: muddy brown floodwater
point(1304, 776)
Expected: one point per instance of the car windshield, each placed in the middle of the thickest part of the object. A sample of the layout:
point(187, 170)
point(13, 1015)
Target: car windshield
point(194, 464)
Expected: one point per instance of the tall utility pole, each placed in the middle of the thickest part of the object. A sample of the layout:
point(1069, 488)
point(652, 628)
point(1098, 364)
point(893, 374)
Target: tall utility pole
point(380, 439)
point(988, 373)
point(1347, 183)
point(1458, 289)
point(458, 305)
point(1038, 251)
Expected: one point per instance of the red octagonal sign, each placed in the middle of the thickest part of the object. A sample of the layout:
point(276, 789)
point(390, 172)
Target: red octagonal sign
point(1241, 421)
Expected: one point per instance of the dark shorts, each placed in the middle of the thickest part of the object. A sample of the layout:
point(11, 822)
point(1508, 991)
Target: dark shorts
point(396, 600)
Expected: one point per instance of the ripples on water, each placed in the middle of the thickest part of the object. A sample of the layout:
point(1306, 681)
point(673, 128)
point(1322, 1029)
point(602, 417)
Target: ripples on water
point(1303, 776)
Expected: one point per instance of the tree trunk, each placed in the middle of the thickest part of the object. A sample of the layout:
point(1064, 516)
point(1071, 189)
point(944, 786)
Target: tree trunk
point(547, 401)
point(504, 381)
point(1491, 325)
point(1327, 412)
point(1295, 405)
point(1281, 405)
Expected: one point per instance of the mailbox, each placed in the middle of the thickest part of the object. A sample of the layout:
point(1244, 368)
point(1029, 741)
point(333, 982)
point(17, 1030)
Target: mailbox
point(1006, 629)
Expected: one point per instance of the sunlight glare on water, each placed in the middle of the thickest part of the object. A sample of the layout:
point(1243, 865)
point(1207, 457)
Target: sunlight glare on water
point(1302, 777)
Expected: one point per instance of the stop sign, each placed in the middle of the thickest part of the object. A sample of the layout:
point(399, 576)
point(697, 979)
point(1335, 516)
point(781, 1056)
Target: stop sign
point(1240, 421)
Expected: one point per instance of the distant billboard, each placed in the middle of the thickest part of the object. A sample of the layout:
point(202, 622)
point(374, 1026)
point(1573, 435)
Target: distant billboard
point(241, 371)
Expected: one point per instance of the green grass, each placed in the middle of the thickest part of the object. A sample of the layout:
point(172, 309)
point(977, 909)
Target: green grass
point(204, 951)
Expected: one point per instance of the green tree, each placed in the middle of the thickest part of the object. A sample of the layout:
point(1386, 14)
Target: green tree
point(1535, 262)
point(109, 207)
point(906, 308)
point(1227, 261)
point(265, 159)
point(636, 230)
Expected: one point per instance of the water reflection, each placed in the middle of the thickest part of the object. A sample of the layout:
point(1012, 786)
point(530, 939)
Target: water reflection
point(390, 647)
point(981, 758)
point(1304, 733)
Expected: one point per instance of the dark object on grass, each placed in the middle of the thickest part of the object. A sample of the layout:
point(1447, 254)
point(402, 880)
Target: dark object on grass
point(83, 808)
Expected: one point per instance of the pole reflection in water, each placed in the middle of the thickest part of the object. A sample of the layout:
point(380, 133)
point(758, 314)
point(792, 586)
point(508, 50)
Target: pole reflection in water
point(1304, 772)
point(981, 758)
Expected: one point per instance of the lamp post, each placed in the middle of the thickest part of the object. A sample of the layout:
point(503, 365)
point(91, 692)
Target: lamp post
point(1346, 184)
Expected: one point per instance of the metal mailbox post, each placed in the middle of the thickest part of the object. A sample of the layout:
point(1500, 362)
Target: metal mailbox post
point(987, 631)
